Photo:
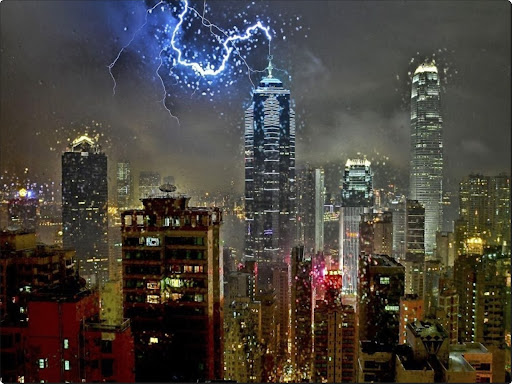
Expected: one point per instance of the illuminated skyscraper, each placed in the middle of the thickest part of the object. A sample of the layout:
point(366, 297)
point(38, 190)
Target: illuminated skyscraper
point(356, 195)
point(84, 208)
point(311, 200)
point(270, 207)
point(426, 172)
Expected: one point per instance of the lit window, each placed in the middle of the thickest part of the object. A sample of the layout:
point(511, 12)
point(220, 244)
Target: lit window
point(153, 299)
point(66, 343)
point(43, 363)
point(66, 365)
point(153, 340)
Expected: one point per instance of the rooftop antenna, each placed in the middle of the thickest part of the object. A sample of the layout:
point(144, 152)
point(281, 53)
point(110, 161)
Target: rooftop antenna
point(270, 66)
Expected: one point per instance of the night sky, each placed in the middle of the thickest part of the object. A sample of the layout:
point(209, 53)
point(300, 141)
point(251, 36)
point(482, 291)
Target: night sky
point(345, 62)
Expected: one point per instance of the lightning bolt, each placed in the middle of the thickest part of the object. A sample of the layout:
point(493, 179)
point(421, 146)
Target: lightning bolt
point(226, 40)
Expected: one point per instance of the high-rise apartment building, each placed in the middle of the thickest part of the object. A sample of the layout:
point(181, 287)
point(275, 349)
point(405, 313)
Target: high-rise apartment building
point(124, 185)
point(270, 190)
point(411, 309)
point(414, 228)
point(172, 289)
point(84, 208)
point(301, 311)
point(356, 195)
point(426, 172)
point(376, 233)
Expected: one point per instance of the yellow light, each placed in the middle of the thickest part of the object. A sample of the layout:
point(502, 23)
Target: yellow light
point(23, 192)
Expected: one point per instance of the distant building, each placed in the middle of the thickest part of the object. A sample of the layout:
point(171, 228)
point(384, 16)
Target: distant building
point(414, 228)
point(124, 185)
point(376, 233)
point(356, 195)
point(398, 207)
point(149, 184)
point(172, 289)
point(447, 313)
point(84, 208)
point(426, 167)
point(23, 212)
point(311, 200)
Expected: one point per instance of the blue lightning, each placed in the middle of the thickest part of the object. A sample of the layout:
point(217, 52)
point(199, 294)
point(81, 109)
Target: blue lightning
point(227, 44)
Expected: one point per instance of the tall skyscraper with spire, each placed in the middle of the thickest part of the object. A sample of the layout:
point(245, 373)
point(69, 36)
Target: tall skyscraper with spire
point(426, 168)
point(270, 206)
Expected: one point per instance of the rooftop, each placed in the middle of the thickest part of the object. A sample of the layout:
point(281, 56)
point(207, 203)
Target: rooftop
point(426, 67)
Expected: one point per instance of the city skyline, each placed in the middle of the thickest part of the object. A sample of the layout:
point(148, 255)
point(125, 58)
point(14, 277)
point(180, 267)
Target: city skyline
point(348, 100)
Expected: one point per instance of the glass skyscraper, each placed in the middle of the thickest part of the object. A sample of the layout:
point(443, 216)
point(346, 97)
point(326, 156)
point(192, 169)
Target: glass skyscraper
point(270, 206)
point(84, 208)
point(426, 169)
point(356, 195)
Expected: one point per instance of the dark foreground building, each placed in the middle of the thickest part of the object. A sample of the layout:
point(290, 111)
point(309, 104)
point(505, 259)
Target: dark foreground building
point(172, 289)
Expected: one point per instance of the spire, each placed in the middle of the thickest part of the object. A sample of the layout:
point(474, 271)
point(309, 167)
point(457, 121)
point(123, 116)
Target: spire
point(270, 66)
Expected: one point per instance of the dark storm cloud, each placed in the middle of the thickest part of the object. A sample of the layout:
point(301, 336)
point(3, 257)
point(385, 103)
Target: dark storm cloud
point(348, 79)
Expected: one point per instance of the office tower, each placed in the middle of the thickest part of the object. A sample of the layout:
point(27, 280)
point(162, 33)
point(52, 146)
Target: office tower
point(270, 190)
point(149, 184)
point(124, 185)
point(302, 302)
point(376, 233)
point(447, 313)
point(311, 200)
point(380, 289)
point(24, 211)
point(411, 309)
point(84, 208)
point(172, 289)
point(426, 172)
point(356, 195)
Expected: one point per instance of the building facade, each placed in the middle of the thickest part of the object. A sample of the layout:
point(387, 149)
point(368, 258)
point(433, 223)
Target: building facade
point(172, 289)
point(84, 208)
point(426, 168)
point(124, 185)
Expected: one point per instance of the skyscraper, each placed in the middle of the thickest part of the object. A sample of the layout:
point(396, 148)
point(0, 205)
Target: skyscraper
point(356, 195)
point(426, 172)
point(270, 207)
point(84, 208)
